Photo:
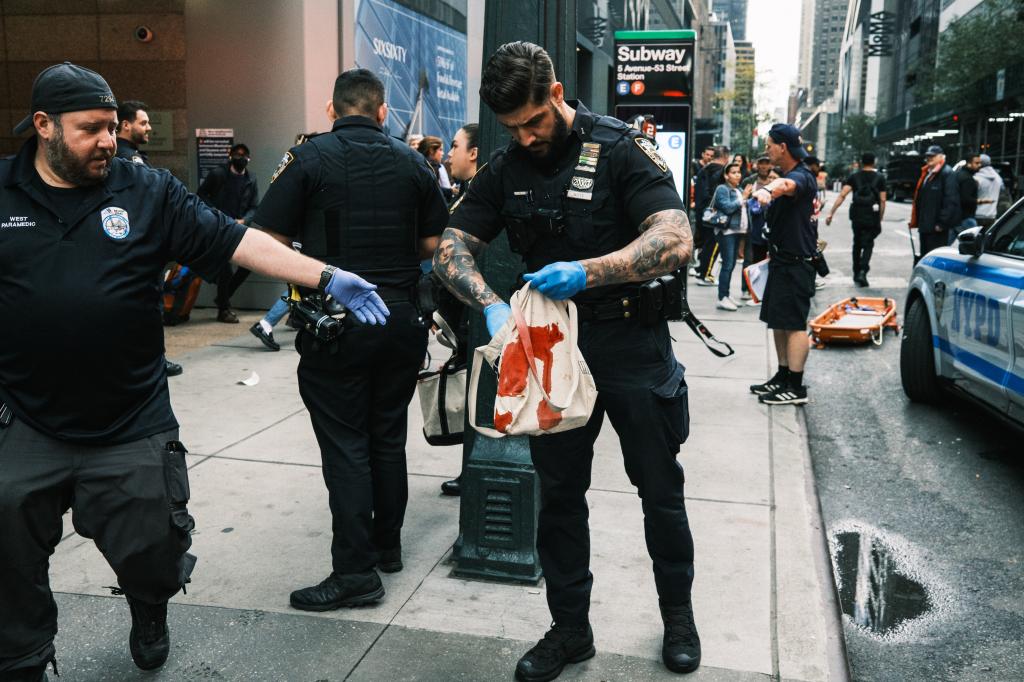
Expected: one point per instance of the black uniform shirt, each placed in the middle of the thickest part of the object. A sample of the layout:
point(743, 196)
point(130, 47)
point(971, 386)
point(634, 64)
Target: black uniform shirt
point(602, 193)
point(128, 150)
point(370, 192)
point(81, 343)
point(789, 217)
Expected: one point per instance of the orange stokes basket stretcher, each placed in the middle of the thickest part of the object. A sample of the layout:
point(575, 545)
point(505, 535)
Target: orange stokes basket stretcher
point(855, 320)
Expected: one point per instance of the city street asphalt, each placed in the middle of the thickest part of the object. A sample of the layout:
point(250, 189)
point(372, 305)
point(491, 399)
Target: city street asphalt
point(763, 594)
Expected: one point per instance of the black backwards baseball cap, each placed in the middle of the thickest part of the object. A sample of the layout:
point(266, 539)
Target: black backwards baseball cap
point(67, 87)
point(934, 150)
point(788, 135)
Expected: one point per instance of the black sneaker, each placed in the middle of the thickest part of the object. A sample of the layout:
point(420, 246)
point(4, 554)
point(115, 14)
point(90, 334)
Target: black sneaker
point(390, 560)
point(149, 640)
point(785, 395)
point(561, 645)
point(680, 649)
point(337, 590)
point(173, 369)
point(775, 382)
point(266, 337)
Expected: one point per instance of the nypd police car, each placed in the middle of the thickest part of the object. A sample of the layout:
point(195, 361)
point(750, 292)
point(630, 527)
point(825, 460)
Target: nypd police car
point(964, 319)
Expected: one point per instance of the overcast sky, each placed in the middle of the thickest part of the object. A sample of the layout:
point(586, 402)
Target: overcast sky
point(773, 26)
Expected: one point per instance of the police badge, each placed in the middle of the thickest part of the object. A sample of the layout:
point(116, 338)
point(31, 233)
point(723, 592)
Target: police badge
point(115, 222)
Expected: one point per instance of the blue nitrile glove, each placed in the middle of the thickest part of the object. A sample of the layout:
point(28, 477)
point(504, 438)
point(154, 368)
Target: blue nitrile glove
point(359, 296)
point(560, 280)
point(495, 314)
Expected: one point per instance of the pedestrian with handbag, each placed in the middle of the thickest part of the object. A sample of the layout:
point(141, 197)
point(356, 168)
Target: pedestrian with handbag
point(730, 200)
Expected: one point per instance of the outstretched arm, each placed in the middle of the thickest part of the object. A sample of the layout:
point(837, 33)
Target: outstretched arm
point(838, 202)
point(665, 244)
point(455, 264)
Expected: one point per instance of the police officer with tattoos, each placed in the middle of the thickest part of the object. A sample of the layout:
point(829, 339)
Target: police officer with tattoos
point(593, 210)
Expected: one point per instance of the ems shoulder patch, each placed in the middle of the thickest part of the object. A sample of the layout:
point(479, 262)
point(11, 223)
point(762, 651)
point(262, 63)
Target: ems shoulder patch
point(648, 148)
point(285, 161)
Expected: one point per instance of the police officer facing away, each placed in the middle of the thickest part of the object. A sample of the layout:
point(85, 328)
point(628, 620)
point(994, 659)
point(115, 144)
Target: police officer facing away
point(85, 419)
point(593, 210)
point(364, 201)
point(792, 242)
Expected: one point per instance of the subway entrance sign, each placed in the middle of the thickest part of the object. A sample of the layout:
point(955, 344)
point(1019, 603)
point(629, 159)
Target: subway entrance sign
point(654, 85)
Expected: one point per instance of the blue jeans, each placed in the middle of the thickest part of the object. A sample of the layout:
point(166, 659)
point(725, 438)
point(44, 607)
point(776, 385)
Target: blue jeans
point(278, 310)
point(727, 246)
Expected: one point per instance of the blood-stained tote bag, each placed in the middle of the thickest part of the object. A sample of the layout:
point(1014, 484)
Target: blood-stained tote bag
point(544, 384)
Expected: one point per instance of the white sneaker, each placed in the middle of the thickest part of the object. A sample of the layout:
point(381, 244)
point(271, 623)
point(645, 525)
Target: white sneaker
point(733, 301)
point(819, 283)
point(753, 304)
point(746, 296)
point(727, 304)
point(691, 271)
point(706, 282)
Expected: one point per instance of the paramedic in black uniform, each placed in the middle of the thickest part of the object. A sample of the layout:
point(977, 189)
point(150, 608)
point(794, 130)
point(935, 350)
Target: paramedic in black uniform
point(594, 212)
point(362, 200)
point(85, 416)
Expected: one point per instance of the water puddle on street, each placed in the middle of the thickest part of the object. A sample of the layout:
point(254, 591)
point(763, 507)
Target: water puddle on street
point(882, 588)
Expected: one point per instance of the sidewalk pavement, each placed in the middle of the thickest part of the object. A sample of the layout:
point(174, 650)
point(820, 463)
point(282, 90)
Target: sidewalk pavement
point(763, 595)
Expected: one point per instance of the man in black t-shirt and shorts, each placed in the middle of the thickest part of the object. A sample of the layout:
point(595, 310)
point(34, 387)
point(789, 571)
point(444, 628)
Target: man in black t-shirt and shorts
point(792, 242)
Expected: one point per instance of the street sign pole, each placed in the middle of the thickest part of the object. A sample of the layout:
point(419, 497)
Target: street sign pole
point(500, 494)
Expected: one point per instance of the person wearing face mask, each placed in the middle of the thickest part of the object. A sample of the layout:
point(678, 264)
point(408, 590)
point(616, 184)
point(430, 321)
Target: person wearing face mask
point(231, 189)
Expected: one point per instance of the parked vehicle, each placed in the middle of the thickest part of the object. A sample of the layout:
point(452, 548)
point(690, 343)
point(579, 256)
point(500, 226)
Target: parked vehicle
point(901, 176)
point(964, 320)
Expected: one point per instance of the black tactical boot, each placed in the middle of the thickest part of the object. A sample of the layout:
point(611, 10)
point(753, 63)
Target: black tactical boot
point(562, 644)
point(149, 641)
point(680, 650)
point(390, 560)
point(337, 590)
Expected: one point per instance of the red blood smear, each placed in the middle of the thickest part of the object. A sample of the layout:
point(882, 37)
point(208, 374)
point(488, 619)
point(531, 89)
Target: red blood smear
point(514, 370)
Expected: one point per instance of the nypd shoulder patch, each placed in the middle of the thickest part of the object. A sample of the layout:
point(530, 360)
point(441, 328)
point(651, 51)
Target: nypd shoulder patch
point(648, 148)
point(285, 162)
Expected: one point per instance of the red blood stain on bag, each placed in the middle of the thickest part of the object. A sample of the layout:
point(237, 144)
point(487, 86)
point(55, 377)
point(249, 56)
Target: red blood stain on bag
point(512, 378)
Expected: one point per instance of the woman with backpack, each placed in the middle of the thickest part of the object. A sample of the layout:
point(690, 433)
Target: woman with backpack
point(729, 202)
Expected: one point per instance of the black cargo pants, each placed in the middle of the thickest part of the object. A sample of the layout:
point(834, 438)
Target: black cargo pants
point(130, 499)
point(642, 389)
point(358, 401)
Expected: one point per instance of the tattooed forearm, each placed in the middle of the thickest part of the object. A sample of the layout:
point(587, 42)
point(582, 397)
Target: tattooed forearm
point(664, 245)
point(455, 265)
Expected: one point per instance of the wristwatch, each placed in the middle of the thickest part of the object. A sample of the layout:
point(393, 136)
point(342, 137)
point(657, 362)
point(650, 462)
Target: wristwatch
point(325, 278)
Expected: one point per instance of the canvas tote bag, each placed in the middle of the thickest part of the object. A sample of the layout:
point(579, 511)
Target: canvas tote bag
point(443, 393)
point(544, 384)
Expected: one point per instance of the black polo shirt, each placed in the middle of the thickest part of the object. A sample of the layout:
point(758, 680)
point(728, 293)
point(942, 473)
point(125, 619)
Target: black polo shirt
point(605, 183)
point(81, 344)
point(791, 229)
